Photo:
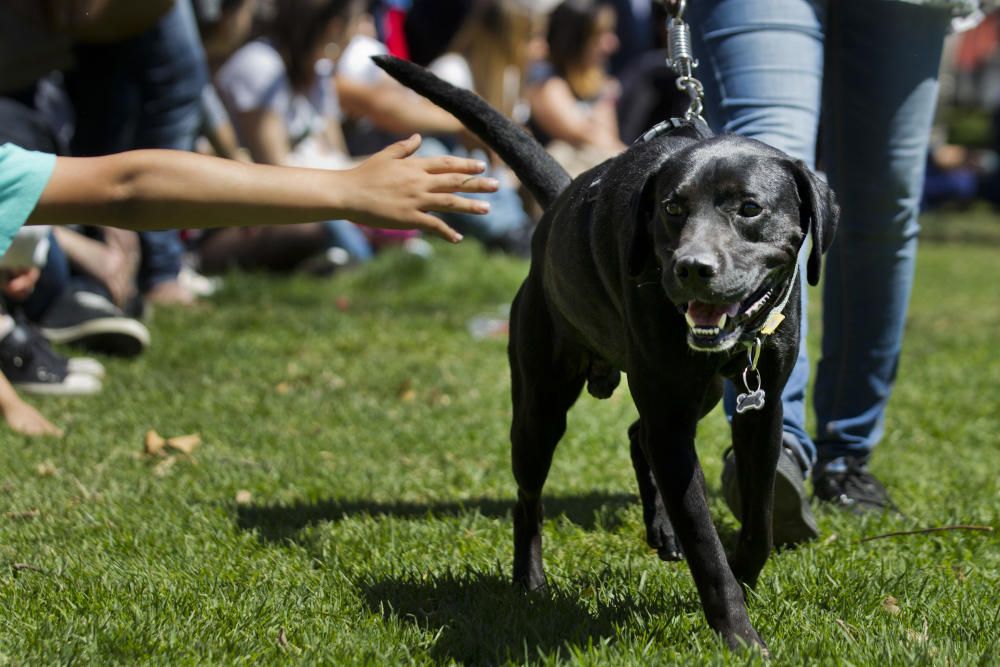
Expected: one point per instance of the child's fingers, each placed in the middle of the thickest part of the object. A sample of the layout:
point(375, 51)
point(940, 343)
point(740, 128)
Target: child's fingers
point(447, 203)
point(401, 149)
point(452, 164)
point(429, 223)
point(464, 183)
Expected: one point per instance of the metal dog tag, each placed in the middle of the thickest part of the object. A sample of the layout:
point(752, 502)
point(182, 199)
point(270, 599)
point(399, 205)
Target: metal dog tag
point(752, 401)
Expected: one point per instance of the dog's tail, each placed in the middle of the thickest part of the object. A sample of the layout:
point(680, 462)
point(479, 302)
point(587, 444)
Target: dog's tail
point(542, 175)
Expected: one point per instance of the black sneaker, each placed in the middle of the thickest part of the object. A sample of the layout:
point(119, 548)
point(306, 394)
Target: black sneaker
point(32, 366)
point(848, 484)
point(792, 521)
point(90, 320)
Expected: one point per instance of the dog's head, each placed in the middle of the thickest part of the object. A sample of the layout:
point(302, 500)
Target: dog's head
point(724, 219)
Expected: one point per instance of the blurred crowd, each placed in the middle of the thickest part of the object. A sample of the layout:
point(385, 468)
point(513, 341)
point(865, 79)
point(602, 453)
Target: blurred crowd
point(291, 82)
point(284, 82)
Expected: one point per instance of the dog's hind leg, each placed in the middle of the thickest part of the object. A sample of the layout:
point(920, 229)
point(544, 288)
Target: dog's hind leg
point(544, 387)
point(659, 530)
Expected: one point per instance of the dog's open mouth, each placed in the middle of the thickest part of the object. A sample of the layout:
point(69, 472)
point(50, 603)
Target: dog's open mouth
point(716, 327)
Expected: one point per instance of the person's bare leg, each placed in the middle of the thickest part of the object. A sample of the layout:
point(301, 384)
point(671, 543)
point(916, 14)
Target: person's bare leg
point(267, 248)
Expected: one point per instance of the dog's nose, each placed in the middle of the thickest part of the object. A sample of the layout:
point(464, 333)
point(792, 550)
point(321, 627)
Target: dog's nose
point(696, 268)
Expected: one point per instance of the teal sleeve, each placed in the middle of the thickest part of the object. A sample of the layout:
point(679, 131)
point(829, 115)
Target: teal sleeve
point(23, 177)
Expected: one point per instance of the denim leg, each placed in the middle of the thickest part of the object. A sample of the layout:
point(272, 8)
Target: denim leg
point(52, 282)
point(880, 96)
point(143, 92)
point(345, 234)
point(173, 74)
point(171, 82)
point(762, 66)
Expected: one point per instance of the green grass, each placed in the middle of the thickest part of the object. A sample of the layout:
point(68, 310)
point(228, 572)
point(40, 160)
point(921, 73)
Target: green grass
point(370, 430)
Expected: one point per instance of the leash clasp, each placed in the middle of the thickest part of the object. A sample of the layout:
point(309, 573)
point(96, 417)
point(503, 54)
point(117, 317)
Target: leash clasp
point(680, 58)
point(754, 398)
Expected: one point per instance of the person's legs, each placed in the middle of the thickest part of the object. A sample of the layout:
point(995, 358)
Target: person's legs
point(280, 248)
point(173, 75)
point(762, 67)
point(143, 92)
point(879, 101)
point(347, 236)
point(52, 282)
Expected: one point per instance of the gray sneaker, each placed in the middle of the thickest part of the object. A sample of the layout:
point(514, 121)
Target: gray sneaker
point(792, 521)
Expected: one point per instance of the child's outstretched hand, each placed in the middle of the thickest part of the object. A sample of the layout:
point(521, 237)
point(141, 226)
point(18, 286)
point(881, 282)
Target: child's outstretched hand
point(389, 191)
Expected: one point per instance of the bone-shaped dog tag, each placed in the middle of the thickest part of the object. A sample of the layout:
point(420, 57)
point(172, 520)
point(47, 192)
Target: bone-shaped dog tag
point(751, 401)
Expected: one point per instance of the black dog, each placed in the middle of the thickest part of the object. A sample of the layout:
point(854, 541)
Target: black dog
point(673, 262)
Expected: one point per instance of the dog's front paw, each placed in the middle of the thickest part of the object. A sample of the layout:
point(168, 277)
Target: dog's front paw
point(660, 536)
point(534, 582)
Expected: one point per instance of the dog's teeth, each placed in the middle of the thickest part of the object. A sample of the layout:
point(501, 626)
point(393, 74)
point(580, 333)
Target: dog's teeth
point(722, 321)
point(690, 320)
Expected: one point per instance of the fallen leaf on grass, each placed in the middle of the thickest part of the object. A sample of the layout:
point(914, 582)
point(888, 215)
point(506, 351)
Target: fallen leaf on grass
point(282, 388)
point(439, 398)
point(282, 639)
point(244, 497)
point(154, 443)
point(162, 468)
point(27, 514)
point(918, 637)
point(184, 443)
point(334, 381)
point(891, 605)
point(46, 469)
point(846, 629)
point(406, 392)
point(20, 567)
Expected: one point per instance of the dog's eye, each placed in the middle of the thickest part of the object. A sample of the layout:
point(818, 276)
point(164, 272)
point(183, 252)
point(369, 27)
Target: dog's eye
point(673, 209)
point(750, 209)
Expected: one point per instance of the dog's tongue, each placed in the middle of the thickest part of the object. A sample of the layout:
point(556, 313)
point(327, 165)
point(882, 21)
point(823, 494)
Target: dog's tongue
point(709, 314)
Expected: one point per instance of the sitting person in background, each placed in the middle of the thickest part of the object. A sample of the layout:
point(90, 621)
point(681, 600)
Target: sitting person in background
point(278, 90)
point(224, 26)
point(649, 93)
point(76, 290)
point(26, 358)
point(572, 97)
point(136, 82)
point(489, 54)
point(376, 108)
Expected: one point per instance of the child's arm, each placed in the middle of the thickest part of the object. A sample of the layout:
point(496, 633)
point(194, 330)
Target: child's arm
point(153, 189)
point(20, 416)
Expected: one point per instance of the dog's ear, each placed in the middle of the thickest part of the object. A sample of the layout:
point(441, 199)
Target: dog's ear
point(642, 209)
point(818, 212)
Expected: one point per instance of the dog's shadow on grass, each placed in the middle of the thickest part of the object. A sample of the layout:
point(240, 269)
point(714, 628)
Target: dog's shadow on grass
point(482, 618)
point(277, 523)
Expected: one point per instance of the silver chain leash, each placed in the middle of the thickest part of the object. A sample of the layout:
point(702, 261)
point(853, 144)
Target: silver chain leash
point(681, 59)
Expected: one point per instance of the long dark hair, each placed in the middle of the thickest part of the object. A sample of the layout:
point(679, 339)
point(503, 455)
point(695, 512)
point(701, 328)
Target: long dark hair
point(295, 29)
point(571, 26)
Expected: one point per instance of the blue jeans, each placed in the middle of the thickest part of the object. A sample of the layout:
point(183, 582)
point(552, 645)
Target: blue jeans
point(771, 68)
point(143, 92)
point(345, 234)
